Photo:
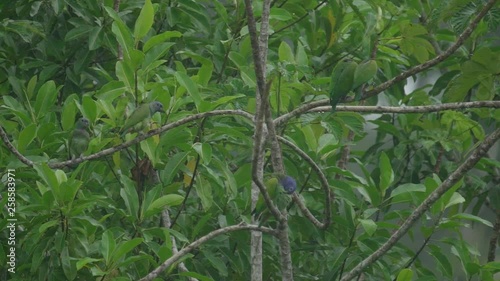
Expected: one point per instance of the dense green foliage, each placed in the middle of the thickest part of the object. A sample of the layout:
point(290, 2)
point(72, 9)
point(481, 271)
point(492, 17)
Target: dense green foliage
point(65, 59)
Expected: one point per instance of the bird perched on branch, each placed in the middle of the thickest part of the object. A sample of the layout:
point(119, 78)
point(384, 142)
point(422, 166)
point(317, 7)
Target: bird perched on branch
point(79, 139)
point(280, 196)
point(140, 116)
point(342, 81)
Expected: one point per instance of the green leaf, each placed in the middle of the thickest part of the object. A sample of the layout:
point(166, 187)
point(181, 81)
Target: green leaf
point(30, 89)
point(386, 173)
point(310, 138)
point(26, 136)
point(159, 204)
point(111, 91)
point(69, 189)
point(123, 36)
point(89, 108)
point(45, 99)
point(68, 265)
point(405, 275)
point(204, 150)
point(77, 32)
point(130, 196)
point(125, 73)
point(69, 112)
point(190, 86)
point(406, 192)
point(157, 39)
point(456, 198)
point(144, 21)
point(156, 53)
point(107, 246)
point(47, 174)
point(279, 14)
point(81, 263)
point(442, 262)
point(149, 146)
point(122, 249)
point(205, 72)
point(204, 191)
point(285, 52)
point(442, 82)
point(216, 262)
point(94, 38)
point(369, 226)
point(465, 216)
point(47, 225)
point(174, 163)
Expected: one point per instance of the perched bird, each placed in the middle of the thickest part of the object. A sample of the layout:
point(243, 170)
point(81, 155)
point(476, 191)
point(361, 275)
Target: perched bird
point(364, 72)
point(342, 81)
point(288, 183)
point(141, 116)
point(280, 196)
point(79, 139)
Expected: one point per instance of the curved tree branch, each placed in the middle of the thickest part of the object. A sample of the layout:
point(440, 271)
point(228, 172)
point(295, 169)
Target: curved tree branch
point(195, 244)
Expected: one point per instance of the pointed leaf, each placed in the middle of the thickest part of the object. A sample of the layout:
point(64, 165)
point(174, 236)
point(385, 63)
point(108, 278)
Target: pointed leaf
point(144, 21)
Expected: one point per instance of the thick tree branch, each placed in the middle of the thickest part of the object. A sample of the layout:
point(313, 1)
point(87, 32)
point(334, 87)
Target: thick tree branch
point(452, 179)
point(260, 111)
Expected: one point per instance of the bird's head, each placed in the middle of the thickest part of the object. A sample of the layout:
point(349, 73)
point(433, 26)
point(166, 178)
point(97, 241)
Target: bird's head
point(82, 123)
point(288, 183)
point(156, 106)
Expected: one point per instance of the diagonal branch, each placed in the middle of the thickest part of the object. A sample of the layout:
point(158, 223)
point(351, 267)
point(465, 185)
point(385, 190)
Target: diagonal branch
point(412, 71)
point(432, 62)
point(452, 179)
point(11, 147)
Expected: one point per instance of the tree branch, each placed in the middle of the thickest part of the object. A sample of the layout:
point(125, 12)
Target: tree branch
point(432, 62)
point(453, 178)
point(11, 147)
point(322, 106)
point(324, 185)
point(149, 134)
point(175, 257)
point(412, 109)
